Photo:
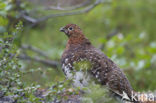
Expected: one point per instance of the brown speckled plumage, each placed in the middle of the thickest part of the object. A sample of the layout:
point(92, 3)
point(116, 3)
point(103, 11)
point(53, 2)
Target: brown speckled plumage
point(103, 69)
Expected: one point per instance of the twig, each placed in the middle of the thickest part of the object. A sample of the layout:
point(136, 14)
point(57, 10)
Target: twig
point(108, 37)
point(85, 10)
point(30, 19)
point(112, 34)
point(34, 49)
point(70, 8)
point(47, 62)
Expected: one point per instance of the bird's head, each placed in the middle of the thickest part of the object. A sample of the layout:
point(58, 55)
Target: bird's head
point(71, 30)
point(74, 34)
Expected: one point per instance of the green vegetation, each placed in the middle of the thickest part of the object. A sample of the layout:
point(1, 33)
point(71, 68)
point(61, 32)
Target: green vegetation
point(133, 47)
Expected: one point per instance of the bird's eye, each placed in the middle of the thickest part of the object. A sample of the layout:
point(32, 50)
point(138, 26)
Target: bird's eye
point(70, 28)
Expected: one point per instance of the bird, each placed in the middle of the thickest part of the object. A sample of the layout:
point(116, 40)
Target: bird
point(102, 69)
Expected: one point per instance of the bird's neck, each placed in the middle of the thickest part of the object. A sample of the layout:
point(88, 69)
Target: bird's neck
point(81, 40)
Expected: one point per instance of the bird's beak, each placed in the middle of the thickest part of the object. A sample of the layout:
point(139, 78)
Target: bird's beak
point(62, 29)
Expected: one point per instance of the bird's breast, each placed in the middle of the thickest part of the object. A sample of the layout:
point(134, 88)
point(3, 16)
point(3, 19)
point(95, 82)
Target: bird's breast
point(76, 67)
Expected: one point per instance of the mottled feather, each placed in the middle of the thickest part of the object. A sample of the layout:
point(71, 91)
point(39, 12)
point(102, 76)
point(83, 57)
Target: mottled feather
point(103, 69)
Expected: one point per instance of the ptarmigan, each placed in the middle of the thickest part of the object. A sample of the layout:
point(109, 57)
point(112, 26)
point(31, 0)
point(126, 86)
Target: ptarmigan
point(78, 50)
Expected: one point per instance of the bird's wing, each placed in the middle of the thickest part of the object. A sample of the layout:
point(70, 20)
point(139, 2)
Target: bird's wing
point(103, 69)
point(108, 73)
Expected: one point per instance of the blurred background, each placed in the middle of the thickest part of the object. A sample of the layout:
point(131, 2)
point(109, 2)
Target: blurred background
point(123, 29)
